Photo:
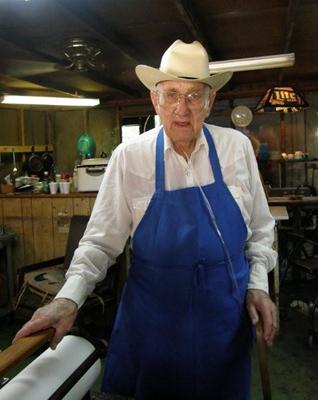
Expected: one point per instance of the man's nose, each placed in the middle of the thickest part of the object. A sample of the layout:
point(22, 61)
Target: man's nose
point(182, 106)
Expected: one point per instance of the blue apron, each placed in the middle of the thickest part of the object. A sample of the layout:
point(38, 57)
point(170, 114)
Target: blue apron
point(181, 329)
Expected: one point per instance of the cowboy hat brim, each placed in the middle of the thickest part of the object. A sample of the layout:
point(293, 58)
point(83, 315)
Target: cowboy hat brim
point(150, 77)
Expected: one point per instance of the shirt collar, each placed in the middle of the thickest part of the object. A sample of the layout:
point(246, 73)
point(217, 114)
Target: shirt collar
point(200, 143)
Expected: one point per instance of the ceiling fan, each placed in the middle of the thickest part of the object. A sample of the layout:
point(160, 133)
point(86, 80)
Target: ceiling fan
point(80, 54)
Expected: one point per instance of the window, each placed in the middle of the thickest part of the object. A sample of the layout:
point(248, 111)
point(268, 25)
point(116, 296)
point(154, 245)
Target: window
point(131, 127)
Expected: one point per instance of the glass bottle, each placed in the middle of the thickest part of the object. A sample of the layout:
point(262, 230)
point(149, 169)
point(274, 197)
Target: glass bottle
point(46, 187)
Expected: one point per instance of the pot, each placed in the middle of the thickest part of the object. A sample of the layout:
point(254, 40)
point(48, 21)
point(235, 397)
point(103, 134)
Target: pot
point(47, 160)
point(35, 163)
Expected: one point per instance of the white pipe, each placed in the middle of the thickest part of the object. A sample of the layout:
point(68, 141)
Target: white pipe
point(41, 378)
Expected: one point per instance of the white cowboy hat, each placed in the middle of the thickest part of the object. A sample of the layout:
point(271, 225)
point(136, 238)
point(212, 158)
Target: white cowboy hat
point(182, 62)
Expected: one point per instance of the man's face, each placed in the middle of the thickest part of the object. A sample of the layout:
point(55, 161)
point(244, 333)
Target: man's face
point(182, 107)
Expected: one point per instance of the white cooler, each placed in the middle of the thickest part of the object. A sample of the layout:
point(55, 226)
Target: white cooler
point(90, 174)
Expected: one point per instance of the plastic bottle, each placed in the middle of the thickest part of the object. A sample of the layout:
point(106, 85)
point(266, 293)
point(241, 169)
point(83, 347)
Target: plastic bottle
point(75, 180)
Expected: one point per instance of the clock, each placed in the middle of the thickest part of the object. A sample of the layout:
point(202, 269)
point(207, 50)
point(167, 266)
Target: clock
point(241, 116)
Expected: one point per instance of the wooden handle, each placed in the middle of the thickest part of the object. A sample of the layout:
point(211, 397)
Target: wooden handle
point(22, 348)
point(263, 362)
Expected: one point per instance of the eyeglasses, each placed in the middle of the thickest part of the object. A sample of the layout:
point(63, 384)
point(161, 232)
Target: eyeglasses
point(172, 98)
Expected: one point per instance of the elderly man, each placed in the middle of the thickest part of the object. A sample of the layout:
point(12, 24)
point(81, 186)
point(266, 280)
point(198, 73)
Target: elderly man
point(190, 196)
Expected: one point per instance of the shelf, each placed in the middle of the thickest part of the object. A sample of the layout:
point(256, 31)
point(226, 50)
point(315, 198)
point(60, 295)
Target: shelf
point(37, 148)
point(301, 160)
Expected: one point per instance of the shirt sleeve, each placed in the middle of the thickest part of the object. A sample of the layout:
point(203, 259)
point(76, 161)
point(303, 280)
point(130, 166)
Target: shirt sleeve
point(105, 236)
point(262, 257)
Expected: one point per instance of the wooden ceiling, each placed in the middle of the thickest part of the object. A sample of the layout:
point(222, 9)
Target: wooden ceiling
point(33, 35)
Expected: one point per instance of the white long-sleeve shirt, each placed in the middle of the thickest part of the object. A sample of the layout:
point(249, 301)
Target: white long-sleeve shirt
point(129, 184)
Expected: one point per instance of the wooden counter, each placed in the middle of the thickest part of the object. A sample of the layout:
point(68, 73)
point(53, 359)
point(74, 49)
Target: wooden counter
point(41, 222)
point(293, 200)
point(44, 195)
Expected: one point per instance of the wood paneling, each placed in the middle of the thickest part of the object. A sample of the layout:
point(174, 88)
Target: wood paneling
point(42, 229)
point(13, 219)
point(41, 224)
point(62, 210)
point(28, 237)
point(92, 202)
point(82, 206)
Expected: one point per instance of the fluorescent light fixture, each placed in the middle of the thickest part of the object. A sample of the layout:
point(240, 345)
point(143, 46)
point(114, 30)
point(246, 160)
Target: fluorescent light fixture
point(253, 63)
point(49, 101)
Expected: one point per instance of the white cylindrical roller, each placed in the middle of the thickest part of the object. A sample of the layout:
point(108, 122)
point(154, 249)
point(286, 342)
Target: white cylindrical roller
point(45, 375)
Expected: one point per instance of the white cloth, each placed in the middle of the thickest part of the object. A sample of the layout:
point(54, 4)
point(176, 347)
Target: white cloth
point(129, 184)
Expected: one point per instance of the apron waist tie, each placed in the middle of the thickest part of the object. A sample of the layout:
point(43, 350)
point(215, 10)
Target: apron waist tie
point(199, 276)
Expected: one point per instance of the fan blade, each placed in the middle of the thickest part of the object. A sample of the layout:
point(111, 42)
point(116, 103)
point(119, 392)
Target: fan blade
point(24, 68)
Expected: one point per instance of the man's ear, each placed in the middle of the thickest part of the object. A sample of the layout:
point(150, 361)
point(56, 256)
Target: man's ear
point(154, 100)
point(210, 103)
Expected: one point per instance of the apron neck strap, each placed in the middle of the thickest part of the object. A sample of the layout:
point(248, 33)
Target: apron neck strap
point(160, 165)
point(213, 156)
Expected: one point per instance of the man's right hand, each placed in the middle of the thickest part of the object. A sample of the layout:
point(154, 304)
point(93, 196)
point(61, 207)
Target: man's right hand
point(60, 314)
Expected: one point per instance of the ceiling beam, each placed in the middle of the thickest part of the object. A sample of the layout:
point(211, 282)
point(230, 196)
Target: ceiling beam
point(25, 45)
point(72, 91)
point(292, 12)
point(191, 19)
point(293, 9)
point(60, 89)
point(43, 85)
point(112, 83)
point(239, 13)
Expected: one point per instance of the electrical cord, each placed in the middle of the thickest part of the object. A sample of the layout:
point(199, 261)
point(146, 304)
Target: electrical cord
point(236, 290)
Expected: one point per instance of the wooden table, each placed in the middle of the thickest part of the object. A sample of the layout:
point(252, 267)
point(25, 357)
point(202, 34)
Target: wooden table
point(294, 207)
point(295, 204)
point(280, 213)
point(311, 201)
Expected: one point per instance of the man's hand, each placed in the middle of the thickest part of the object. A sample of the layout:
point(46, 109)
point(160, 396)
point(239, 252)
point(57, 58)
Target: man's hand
point(60, 314)
point(260, 307)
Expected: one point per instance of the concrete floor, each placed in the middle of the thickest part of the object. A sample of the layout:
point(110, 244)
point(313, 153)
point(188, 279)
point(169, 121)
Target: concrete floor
point(292, 363)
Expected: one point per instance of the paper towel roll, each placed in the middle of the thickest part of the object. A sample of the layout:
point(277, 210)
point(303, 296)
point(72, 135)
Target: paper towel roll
point(45, 375)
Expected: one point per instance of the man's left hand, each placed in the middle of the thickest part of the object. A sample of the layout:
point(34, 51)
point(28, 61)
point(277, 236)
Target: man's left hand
point(260, 307)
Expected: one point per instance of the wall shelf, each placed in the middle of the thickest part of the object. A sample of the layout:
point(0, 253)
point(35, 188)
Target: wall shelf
point(37, 148)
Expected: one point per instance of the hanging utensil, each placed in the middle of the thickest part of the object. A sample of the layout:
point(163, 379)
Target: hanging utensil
point(35, 163)
point(48, 160)
point(15, 170)
point(47, 157)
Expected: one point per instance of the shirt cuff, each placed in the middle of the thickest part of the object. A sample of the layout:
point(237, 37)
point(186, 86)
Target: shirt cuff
point(258, 278)
point(74, 289)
